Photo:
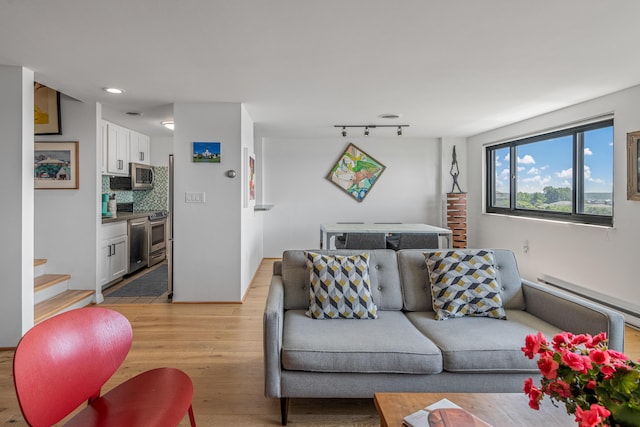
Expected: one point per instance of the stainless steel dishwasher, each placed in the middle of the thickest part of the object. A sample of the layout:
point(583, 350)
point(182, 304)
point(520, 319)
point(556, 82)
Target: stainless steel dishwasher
point(138, 244)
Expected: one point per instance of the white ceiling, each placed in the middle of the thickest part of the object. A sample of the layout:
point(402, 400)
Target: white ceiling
point(449, 67)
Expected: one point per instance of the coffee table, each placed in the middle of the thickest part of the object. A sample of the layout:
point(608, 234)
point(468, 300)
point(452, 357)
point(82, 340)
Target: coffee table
point(497, 409)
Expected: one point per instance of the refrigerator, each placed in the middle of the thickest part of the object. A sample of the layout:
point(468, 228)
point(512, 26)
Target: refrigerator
point(171, 227)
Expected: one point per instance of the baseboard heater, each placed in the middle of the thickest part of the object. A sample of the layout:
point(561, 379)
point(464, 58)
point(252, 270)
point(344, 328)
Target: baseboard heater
point(631, 312)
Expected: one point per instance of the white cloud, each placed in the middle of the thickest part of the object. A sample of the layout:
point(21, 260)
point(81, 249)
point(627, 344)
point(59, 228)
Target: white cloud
point(533, 171)
point(567, 173)
point(566, 184)
point(504, 173)
point(587, 151)
point(521, 168)
point(587, 172)
point(527, 160)
point(506, 158)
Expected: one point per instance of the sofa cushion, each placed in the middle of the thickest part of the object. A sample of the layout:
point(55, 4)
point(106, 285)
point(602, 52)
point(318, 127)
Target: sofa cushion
point(340, 287)
point(383, 275)
point(480, 344)
point(463, 283)
point(391, 344)
point(417, 288)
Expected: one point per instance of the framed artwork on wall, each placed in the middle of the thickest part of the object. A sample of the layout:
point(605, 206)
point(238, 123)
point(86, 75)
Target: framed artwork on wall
point(250, 184)
point(633, 165)
point(356, 172)
point(46, 110)
point(56, 166)
point(206, 152)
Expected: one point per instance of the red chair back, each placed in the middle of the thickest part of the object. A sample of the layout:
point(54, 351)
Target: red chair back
point(65, 360)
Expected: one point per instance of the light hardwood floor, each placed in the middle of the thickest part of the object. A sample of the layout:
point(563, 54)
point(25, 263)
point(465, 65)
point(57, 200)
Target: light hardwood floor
point(220, 347)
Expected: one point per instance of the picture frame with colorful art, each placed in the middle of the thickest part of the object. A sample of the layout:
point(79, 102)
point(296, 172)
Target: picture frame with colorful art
point(356, 172)
point(56, 166)
point(46, 110)
point(633, 165)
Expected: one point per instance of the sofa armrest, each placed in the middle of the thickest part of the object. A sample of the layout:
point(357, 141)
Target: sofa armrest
point(573, 314)
point(272, 337)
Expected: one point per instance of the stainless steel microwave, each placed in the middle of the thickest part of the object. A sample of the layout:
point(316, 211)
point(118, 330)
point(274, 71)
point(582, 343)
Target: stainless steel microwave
point(141, 178)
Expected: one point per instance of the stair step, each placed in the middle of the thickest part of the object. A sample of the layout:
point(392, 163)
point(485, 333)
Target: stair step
point(39, 261)
point(47, 280)
point(64, 301)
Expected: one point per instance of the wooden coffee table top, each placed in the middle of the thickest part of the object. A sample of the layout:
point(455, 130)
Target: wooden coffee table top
point(498, 409)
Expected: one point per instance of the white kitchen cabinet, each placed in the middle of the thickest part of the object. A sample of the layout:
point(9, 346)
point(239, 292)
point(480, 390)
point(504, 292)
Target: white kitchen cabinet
point(139, 145)
point(117, 150)
point(114, 251)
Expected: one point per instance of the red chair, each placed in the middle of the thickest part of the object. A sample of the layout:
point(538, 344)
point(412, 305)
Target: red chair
point(65, 360)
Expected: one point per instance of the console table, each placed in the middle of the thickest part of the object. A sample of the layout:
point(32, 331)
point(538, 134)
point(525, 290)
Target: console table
point(327, 231)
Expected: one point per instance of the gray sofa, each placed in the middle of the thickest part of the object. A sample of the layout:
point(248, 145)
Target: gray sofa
point(405, 349)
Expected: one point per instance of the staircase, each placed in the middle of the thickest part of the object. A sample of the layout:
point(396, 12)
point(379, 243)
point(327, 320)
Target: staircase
point(52, 294)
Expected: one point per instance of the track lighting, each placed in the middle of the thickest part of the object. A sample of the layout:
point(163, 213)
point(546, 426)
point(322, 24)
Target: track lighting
point(368, 127)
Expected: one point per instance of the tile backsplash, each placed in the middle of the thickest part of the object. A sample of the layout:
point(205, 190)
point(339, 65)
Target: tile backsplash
point(144, 201)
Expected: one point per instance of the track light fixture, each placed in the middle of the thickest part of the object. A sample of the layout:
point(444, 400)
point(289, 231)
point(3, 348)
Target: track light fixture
point(367, 127)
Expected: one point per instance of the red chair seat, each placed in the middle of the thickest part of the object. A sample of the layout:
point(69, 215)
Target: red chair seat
point(159, 397)
point(62, 364)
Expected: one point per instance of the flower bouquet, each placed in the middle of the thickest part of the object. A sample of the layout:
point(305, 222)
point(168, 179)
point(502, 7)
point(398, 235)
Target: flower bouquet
point(601, 387)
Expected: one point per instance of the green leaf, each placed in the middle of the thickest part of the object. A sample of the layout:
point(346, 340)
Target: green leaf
point(625, 382)
point(626, 416)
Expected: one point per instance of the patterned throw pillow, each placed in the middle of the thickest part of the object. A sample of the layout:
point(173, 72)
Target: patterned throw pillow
point(463, 283)
point(340, 287)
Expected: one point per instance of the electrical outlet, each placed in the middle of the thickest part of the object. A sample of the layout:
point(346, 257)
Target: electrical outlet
point(193, 197)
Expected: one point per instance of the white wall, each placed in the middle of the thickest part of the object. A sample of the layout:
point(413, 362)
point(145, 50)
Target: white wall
point(16, 190)
point(598, 258)
point(207, 237)
point(294, 173)
point(160, 148)
point(67, 221)
point(252, 221)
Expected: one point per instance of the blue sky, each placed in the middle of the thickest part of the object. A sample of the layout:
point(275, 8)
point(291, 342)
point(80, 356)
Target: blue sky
point(548, 163)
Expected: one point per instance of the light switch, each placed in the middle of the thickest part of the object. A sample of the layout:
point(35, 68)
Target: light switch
point(192, 197)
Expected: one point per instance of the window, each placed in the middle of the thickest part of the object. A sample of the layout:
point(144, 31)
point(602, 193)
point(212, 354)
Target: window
point(535, 176)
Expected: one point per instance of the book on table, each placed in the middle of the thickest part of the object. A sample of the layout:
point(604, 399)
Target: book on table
point(443, 413)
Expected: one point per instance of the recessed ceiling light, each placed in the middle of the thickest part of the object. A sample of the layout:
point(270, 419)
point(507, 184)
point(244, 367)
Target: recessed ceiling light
point(114, 90)
point(389, 116)
point(168, 124)
point(134, 113)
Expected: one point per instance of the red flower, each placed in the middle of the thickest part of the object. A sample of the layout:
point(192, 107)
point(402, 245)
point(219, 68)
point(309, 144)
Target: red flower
point(535, 396)
point(528, 385)
point(575, 361)
point(562, 340)
point(601, 337)
point(617, 355)
point(608, 371)
point(600, 357)
point(591, 384)
point(548, 367)
point(533, 344)
point(582, 339)
point(591, 417)
point(560, 388)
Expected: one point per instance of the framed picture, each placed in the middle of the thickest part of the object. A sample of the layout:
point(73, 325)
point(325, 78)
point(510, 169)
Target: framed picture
point(206, 152)
point(56, 166)
point(356, 172)
point(46, 110)
point(633, 164)
point(249, 193)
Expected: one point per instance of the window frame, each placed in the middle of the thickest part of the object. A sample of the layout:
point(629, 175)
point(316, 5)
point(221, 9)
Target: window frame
point(577, 161)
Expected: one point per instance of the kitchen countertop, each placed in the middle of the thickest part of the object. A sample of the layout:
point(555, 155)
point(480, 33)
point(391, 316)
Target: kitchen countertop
point(124, 216)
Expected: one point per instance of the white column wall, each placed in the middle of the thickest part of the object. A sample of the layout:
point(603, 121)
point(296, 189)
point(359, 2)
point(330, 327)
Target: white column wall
point(67, 221)
point(252, 221)
point(16, 190)
point(294, 173)
point(207, 238)
point(598, 258)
